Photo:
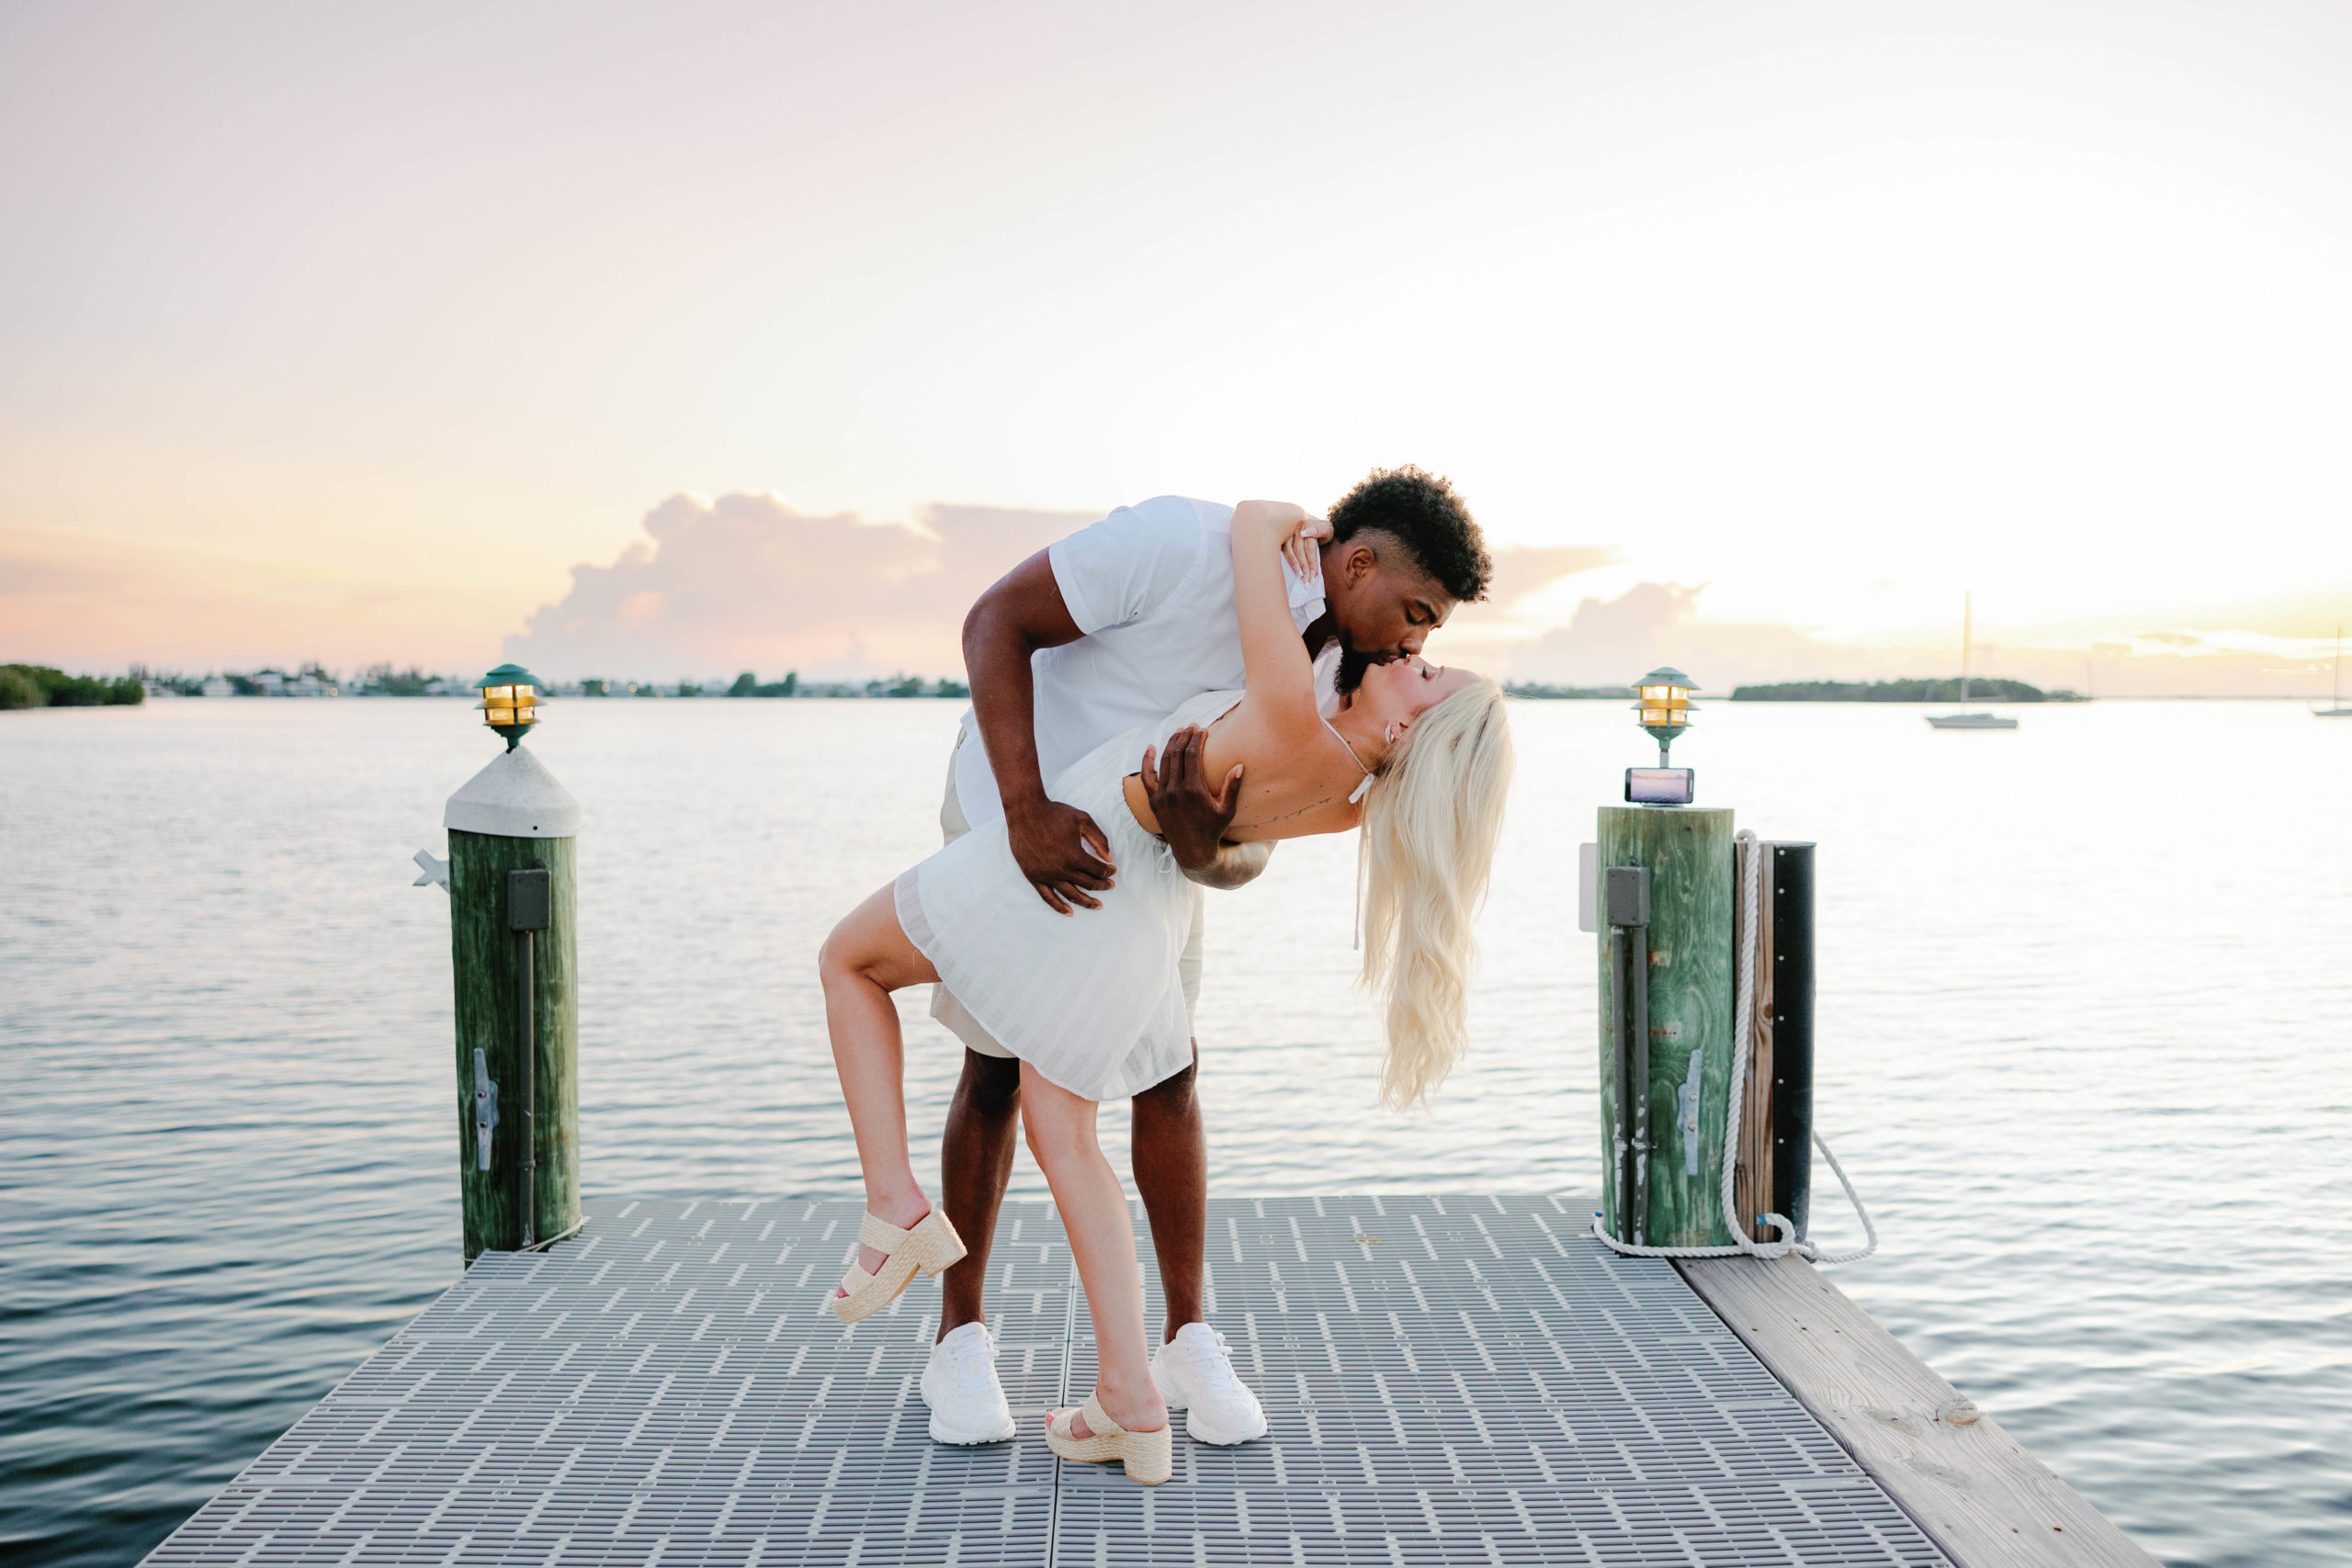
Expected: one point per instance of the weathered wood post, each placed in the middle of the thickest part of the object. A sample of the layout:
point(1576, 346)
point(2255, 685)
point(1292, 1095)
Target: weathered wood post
point(1686, 958)
point(510, 882)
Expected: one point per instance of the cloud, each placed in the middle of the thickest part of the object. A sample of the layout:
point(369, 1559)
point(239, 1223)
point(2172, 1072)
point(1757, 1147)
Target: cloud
point(1521, 572)
point(1610, 641)
point(750, 582)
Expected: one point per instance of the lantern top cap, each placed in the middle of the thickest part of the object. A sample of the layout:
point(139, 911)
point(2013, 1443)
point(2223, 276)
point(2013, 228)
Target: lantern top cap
point(512, 675)
point(1667, 675)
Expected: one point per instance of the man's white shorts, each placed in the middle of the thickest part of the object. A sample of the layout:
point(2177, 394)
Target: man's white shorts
point(949, 1011)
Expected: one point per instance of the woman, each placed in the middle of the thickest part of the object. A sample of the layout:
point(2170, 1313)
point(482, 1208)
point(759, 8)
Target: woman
point(1092, 1004)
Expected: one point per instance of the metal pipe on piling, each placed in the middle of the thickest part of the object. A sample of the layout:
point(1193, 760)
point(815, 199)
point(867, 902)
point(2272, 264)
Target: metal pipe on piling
point(1637, 992)
point(529, 894)
point(527, 1046)
point(1622, 945)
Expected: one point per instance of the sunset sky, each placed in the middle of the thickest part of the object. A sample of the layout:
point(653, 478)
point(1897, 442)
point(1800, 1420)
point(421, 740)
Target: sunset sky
point(658, 341)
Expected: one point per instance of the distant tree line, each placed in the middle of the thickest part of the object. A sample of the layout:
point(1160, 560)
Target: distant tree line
point(259, 683)
point(748, 684)
point(388, 682)
point(1985, 688)
point(1541, 690)
point(36, 686)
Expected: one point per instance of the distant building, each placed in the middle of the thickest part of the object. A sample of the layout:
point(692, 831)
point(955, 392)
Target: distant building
point(271, 682)
point(308, 686)
point(219, 686)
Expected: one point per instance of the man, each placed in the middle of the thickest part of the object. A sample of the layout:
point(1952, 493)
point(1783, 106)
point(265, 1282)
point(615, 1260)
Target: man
point(1108, 629)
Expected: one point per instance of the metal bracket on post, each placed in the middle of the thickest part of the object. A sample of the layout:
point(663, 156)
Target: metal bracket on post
point(485, 1109)
point(1686, 1113)
point(1625, 897)
point(529, 894)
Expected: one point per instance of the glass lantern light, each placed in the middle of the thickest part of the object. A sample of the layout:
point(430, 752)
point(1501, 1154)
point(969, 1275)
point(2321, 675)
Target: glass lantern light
point(510, 700)
point(1665, 705)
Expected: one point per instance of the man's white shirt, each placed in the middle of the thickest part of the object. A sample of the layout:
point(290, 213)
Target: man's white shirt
point(1151, 587)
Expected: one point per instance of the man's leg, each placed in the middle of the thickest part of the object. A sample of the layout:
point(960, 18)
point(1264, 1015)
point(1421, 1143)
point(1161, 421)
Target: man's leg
point(1170, 1158)
point(974, 1163)
point(976, 1150)
point(1192, 1366)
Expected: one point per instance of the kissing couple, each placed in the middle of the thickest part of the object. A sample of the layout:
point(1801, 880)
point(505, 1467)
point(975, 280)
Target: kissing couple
point(1158, 699)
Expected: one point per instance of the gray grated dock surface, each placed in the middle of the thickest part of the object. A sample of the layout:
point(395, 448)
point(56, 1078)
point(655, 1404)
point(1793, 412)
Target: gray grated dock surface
point(1451, 1381)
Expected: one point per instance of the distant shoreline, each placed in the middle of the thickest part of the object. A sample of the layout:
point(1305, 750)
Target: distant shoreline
point(38, 686)
point(1539, 695)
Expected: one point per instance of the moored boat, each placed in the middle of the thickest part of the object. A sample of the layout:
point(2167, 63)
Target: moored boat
point(1968, 647)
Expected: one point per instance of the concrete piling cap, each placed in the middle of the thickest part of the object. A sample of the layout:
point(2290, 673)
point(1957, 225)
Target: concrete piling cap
point(514, 797)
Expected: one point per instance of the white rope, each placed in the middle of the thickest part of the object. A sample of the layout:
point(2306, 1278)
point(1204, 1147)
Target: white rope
point(1751, 900)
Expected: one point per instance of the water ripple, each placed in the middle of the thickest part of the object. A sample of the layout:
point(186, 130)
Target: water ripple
point(2082, 1037)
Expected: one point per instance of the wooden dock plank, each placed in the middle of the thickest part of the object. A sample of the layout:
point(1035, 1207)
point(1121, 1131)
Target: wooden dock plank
point(1971, 1487)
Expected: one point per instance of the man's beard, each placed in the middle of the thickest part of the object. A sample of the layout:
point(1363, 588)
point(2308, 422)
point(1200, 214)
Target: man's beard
point(1351, 668)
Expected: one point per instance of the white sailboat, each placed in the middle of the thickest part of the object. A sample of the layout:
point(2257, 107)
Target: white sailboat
point(1967, 649)
point(2335, 708)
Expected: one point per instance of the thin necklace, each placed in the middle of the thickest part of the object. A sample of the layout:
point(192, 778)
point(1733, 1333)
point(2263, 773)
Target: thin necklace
point(1355, 942)
point(1365, 787)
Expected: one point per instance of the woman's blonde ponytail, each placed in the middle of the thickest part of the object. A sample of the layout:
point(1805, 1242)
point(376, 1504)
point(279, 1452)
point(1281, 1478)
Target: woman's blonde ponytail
point(1430, 826)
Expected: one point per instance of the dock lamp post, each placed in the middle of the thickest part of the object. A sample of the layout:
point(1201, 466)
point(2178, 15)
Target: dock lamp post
point(1664, 709)
point(510, 699)
point(1665, 705)
point(511, 876)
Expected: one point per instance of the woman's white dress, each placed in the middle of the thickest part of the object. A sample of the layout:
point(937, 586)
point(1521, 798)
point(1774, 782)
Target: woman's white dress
point(1093, 999)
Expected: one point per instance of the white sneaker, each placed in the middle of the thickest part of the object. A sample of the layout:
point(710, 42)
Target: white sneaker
point(959, 1385)
point(1195, 1371)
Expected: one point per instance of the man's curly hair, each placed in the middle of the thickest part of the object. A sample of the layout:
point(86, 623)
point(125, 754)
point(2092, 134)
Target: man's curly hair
point(1420, 512)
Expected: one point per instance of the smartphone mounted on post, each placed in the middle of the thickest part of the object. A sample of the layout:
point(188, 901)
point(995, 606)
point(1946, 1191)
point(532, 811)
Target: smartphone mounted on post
point(1661, 786)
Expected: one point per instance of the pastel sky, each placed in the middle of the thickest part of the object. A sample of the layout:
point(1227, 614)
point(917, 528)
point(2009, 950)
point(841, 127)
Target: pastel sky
point(675, 340)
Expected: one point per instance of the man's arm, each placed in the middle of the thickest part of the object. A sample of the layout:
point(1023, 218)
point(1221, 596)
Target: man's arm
point(1192, 817)
point(1057, 847)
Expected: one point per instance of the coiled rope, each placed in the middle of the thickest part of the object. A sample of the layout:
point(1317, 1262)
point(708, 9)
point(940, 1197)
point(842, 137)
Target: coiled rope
point(1743, 1021)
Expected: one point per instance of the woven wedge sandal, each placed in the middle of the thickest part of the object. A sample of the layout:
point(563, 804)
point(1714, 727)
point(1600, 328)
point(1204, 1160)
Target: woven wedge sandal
point(930, 1245)
point(1149, 1455)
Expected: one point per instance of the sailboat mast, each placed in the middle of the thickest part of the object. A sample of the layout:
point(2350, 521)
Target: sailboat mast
point(1967, 639)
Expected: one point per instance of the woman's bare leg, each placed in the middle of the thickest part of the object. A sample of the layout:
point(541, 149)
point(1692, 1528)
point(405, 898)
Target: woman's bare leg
point(865, 959)
point(1094, 1213)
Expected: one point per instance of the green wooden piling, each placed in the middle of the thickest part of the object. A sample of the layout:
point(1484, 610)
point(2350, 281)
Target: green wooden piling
point(1689, 854)
point(484, 957)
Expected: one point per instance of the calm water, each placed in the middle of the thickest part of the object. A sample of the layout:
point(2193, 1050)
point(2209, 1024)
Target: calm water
point(2084, 994)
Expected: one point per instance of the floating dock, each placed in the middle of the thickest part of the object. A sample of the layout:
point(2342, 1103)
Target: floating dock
point(1467, 1381)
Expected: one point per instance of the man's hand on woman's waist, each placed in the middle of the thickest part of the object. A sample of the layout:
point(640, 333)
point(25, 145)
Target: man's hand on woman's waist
point(1060, 850)
point(1192, 817)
